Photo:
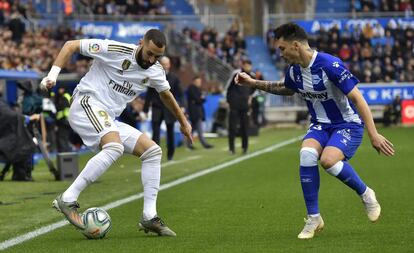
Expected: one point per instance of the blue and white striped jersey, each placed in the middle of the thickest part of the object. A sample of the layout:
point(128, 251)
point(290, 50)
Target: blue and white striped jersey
point(324, 85)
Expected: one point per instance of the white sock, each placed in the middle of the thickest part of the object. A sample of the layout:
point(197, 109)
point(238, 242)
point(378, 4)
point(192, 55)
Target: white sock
point(316, 215)
point(95, 167)
point(150, 177)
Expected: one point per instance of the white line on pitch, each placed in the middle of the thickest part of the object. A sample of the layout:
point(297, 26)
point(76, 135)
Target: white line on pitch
point(46, 229)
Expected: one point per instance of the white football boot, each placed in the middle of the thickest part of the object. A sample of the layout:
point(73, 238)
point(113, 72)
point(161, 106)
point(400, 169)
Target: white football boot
point(372, 207)
point(312, 226)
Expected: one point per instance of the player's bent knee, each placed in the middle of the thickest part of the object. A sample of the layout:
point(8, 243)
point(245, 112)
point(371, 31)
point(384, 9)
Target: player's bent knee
point(328, 161)
point(114, 147)
point(154, 152)
point(308, 157)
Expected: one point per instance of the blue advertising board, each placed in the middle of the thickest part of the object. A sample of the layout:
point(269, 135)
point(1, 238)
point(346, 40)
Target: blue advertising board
point(129, 32)
point(380, 94)
point(313, 26)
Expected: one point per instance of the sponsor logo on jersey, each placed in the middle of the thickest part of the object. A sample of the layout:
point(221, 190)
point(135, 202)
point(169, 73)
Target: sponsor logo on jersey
point(124, 88)
point(94, 47)
point(126, 64)
point(314, 95)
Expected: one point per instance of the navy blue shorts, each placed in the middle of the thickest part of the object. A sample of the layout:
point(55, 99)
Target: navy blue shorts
point(347, 137)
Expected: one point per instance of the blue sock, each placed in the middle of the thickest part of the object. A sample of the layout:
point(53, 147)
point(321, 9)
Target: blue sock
point(309, 178)
point(344, 172)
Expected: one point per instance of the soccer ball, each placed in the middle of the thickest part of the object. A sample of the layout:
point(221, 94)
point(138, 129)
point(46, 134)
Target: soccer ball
point(97, 223)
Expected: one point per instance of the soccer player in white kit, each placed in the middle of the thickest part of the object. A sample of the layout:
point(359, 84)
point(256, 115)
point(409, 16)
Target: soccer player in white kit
point(119, 73)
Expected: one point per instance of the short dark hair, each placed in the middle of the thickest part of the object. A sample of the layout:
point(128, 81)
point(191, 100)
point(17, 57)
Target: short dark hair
point(246, 61)
point(290, 32)
point(156, 36)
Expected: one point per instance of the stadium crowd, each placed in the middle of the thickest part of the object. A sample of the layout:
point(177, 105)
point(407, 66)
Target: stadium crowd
point(371, 52)
point(230, 47)
point(368, 6)
point(120, 7)
point(25, 48)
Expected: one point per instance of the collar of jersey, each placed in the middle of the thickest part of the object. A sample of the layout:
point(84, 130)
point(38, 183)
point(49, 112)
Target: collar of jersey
point(315, 53)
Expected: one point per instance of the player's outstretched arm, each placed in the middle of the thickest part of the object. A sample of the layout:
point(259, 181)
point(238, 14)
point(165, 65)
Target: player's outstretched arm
point(64, 55)
point(169, 101)
point(379, 142)
point(274, 87)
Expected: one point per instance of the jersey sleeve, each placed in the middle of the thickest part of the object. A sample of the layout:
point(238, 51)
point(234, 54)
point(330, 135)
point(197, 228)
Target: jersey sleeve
point(341, 77)
point(289, 83)
point(95, 48)
point(158, 80)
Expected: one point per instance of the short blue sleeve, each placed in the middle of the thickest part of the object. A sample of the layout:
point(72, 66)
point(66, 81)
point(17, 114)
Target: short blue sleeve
point(289, 83)
point(341, 77)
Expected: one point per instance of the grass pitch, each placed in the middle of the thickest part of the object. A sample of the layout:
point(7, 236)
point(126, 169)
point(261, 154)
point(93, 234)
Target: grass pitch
point(252, 206)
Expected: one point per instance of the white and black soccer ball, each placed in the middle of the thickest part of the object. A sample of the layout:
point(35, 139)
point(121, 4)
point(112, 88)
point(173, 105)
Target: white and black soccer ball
point(97, 223)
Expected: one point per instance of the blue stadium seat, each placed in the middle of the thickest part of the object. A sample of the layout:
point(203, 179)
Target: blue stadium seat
point(179, 7)
point(332, 6)
point(258, 53)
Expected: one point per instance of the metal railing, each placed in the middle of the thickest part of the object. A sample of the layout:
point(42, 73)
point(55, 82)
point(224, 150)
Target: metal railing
point(192, 52)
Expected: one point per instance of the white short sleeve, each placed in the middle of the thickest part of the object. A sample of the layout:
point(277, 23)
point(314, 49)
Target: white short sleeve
point(158, 81)
point(95, 48)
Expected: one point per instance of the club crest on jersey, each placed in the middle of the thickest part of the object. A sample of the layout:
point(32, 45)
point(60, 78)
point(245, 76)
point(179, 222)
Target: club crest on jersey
point(145, 80)
point(94, 48)
point(125, 65)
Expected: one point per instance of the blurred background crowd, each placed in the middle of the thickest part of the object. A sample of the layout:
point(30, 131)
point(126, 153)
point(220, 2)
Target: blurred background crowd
point(204, 57)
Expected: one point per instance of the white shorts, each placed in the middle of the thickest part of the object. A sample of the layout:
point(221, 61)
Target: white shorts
point(88, 118)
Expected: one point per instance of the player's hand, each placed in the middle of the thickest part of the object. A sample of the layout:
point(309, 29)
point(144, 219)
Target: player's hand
point(143, 115)
point(382, 145)
point(34, 117)
point(47, 83)
point(186, 130)
point(243, 78)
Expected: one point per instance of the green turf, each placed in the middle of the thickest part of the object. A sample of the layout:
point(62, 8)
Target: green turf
point(254, 206)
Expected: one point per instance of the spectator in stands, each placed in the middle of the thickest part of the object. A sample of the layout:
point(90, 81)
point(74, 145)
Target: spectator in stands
point(1, 17)
point(16, 26)
point(378, 31)
point(5, 7)
point(345, 52)
point(409, 73)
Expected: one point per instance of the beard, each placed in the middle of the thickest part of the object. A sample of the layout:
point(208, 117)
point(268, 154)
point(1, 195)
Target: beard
point(141, 62)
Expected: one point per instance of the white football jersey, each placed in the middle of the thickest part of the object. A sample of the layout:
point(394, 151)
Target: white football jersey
point(115, 78)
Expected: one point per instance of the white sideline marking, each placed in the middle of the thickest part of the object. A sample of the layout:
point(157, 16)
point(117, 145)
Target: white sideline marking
point(46, 229)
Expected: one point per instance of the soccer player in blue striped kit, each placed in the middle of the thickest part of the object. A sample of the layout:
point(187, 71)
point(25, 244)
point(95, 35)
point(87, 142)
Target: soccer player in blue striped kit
point(338, 116)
